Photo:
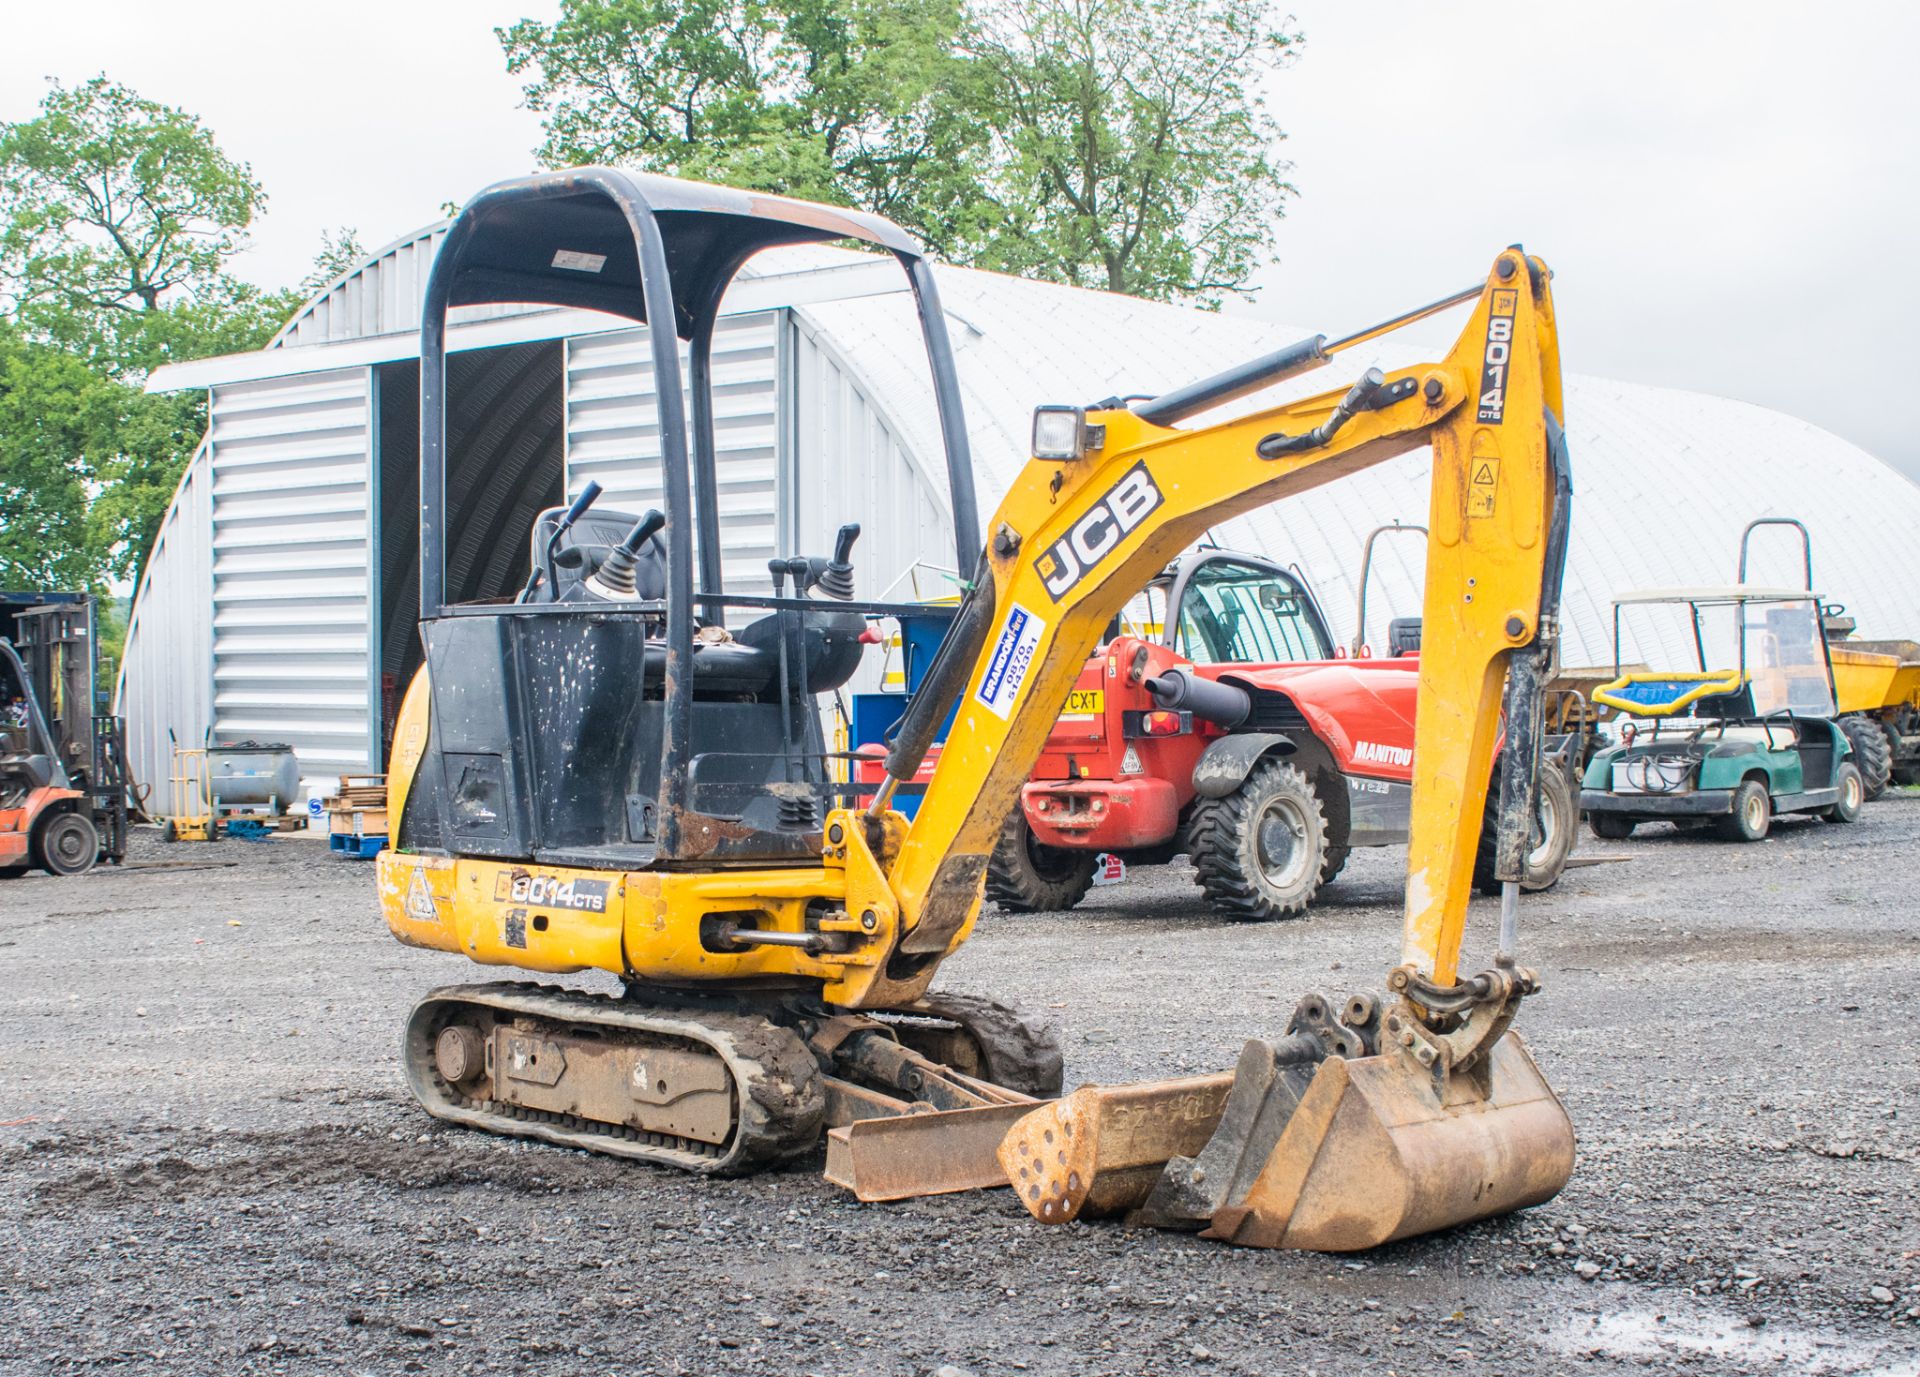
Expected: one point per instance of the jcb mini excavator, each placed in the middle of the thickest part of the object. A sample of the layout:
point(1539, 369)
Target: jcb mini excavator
point(603, 775)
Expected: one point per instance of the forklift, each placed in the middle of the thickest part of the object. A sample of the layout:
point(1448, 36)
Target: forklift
point(64, 784)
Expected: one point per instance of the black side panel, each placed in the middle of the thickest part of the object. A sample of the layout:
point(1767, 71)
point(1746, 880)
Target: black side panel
point(472, 742)
point(585, 689)
point(547, 742)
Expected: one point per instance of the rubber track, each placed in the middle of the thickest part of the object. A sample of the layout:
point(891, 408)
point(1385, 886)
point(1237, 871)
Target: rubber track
point(1214, 834)
point(1023, 1048)
point(780, 1104)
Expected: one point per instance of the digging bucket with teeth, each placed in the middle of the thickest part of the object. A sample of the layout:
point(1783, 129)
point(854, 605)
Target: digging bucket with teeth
point(1322, 1141)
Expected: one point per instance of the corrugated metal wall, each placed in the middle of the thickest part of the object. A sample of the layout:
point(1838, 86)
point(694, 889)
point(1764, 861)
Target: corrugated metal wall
point(851, 465)
point(164, 680)
point(291, 587)
point(613, 434)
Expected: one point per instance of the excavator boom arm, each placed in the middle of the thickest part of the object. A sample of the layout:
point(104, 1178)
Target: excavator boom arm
point(1073, 541)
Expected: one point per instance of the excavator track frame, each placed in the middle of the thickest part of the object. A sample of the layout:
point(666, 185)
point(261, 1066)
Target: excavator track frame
point(782, 1077)
point(779, 1098)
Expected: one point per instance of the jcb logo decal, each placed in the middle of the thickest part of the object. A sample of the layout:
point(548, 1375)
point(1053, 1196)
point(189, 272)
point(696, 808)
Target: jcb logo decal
point(1095, 536)
point(1498, 358)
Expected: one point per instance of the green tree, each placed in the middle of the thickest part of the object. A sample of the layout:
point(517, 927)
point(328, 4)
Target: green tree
point(121, 216)
point(1134, 149)
point(46, 395)
point(119, 219)
point(340, 250)
point(858, 102)
point(1085, 141)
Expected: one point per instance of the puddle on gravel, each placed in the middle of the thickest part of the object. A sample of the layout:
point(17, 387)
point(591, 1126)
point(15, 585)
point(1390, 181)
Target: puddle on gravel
point(1715, 1334)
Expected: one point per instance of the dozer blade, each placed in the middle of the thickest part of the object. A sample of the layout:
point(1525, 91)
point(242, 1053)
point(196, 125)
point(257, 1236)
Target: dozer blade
point(1373, 1153)
point(1100, 1150)
point(922, 1154)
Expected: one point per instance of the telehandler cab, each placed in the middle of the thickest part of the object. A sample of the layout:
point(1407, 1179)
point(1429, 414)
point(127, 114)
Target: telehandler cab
point(602, 775)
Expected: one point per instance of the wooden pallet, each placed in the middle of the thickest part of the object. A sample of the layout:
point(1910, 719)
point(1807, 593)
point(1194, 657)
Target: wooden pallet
point(360, 808)
point(360, 792)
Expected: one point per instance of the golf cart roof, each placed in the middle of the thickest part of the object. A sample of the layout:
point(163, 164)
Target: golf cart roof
point(1732, 593)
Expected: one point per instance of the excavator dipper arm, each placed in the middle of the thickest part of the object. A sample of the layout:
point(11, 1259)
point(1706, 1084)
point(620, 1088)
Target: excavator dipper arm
point(1349, 1131)
point(1073, 541)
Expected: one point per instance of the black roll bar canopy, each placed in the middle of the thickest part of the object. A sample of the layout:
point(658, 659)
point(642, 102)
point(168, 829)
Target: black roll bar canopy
point(661, 252)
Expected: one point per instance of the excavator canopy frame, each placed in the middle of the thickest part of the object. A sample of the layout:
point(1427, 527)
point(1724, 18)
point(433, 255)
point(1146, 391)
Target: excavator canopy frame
point(661, 252)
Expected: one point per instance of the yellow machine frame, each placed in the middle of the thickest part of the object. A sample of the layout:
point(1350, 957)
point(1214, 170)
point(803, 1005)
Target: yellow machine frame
point(907, 894)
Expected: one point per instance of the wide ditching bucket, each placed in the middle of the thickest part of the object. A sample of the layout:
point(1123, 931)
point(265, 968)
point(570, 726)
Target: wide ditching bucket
point(1330, 1153)
point(1376, 1151)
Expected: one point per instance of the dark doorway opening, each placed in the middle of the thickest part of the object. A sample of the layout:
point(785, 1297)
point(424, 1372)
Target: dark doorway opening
point(505, 430)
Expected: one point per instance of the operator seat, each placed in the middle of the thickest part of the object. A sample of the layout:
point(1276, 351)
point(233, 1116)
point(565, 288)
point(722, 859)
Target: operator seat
point(827, 642)
point(592, 538)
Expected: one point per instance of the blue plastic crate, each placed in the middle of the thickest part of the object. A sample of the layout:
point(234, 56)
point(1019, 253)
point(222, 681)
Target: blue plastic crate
point(363, 848)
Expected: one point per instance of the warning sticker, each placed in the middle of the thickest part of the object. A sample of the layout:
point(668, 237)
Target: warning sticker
point(420, 899)
point(1007, 670)
point(1483, 482)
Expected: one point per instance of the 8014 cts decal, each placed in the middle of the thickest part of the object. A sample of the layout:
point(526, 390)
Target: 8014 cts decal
point(1499, 352)
point(550, 891)
point(1093, 537)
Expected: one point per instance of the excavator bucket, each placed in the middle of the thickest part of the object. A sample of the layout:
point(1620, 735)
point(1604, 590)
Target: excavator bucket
point(1099, 1150)
point(1376, 1151)
point(1298, 1148)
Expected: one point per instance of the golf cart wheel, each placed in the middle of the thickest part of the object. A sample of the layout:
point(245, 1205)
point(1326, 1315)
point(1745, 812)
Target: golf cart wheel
point(1752, 814)
point(1872, 752)
point(1611, 826)
point(1852, 785)
point(67, 844)
point(1025, 875)
point(1555, 821)
point(1260, 851)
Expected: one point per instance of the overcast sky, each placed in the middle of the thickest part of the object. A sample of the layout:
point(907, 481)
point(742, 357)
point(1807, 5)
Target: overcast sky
point(1729, 193)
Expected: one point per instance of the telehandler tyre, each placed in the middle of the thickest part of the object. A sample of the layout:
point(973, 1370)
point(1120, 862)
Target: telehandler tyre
point(1872, 752)
point(1260, 852)
point(1025, 875)
point(1556, 821)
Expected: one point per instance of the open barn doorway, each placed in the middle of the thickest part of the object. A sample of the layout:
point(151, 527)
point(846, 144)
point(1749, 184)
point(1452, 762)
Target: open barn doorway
point(505, 425)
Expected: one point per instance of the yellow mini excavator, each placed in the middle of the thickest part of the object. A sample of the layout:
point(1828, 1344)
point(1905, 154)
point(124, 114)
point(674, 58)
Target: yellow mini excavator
point(619, 770)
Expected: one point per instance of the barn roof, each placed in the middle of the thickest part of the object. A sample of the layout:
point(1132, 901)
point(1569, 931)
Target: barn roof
point(1665, 480)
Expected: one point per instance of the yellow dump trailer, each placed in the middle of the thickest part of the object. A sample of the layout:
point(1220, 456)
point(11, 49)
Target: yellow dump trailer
point(1878, 685)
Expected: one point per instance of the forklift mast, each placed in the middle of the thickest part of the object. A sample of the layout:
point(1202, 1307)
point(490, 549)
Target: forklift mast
point(56, 635)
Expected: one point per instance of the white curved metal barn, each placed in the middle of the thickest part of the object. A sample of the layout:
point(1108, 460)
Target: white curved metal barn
point(278, 604)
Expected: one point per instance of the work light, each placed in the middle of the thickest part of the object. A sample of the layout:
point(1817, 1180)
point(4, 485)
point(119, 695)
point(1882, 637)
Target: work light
point(1059, 432)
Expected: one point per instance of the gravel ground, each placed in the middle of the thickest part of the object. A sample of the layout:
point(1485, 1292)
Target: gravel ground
point(209, 1162)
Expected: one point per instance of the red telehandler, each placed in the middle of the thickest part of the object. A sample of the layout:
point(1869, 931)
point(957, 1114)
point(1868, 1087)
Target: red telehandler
point(1229, 728)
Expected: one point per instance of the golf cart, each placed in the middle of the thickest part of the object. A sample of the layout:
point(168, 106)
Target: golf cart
point(1730, 748)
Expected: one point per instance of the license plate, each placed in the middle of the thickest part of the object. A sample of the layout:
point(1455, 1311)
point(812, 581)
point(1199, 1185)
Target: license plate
point(1085, 703)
